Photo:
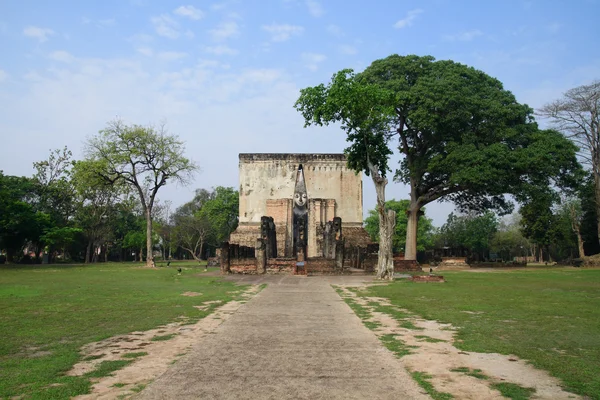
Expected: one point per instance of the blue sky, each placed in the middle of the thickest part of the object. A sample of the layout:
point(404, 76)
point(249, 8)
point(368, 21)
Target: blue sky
point(224, 75)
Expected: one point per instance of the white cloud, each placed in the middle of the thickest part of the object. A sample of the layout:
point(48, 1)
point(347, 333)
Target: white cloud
point(189, 11)
point(347, 49)
point(312, 60)
point(335, 30)
point(146, 51)
point(3, 75)
point(166, 26)
point(281, 33)
point(463, 36)
point(315, 8)
point(220, 50)
point(62, 56)
point(225, 30)
point(171, 55)
point(408, 20)
point(38, 33)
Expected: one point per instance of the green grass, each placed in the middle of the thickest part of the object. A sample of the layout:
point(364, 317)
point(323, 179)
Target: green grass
point(513, 391)
point(394, 345)
point(135, 355)
point(429, 339)
point(106, 368)
point(48, 312)
point(423, 380)
point(549, 316)
point(475, 373)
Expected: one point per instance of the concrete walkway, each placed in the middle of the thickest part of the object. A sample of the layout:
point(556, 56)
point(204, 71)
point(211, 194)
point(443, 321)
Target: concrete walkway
point(297, 339)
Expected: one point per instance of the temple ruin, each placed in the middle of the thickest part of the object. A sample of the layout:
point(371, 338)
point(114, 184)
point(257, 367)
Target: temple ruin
point(301, 213)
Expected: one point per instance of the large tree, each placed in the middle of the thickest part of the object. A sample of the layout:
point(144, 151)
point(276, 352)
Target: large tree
point(577, 114)
point(462, 137)
point(143, 157)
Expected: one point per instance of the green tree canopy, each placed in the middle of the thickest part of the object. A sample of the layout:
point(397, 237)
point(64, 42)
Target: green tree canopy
point(424, 236)
point(461, 135)
point(144, 158)
point(473, 232)
point(208, 218)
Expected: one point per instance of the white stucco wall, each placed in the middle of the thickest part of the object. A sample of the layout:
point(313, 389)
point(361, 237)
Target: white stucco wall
point(273, 176)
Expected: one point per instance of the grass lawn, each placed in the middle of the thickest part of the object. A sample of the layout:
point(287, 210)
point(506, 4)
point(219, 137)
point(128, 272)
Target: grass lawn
point(48, 312)
point(548, 316)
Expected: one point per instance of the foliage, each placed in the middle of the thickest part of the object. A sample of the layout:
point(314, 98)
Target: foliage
point(19, 222)
point(145, 159)
point(508, 241)
point(425, 229)
point(208, 219)
point(470, 231)
point(462, 136)
point(527, 313)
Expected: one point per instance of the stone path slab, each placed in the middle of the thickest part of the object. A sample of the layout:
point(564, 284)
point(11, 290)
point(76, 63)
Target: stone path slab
point(297, 339)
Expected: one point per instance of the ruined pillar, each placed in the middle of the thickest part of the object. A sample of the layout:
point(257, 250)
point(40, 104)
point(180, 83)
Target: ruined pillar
point(339, 255)
point(261, 256)
point(225, 266)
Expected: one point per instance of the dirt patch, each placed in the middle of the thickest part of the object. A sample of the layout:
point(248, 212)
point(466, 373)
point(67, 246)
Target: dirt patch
point(160, 354)
point(191, 294)
point(432, 351)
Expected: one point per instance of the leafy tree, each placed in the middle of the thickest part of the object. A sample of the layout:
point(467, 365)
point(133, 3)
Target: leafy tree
point(424, 236)
point(508, 241)
point(55, 192)
point(538, 222)
point(209, 218)
point(577, 114)
point(471, 231)
point(18, 219)
point(145, 159)
point(96, 206)
point(365, 116)
point(222, 211)
point(462, 137)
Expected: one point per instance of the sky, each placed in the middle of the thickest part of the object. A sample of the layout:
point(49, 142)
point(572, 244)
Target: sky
point(224, 75)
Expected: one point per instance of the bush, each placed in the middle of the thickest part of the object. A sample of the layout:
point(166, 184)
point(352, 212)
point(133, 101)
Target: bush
point(2, 259)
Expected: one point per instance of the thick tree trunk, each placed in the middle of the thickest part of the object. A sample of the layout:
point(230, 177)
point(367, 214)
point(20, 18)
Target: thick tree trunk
point(149, 256)
point(387, 224)
point(88, 250)
point(576, 226)
point(597, 197)
point(10, 255)
point(410, 250)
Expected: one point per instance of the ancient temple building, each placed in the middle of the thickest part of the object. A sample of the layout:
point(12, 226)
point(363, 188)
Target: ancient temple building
point(302, 193)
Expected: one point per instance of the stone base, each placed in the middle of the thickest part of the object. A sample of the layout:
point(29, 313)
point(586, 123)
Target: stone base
point(428, 278)
point(453, 263)
point(402, 265)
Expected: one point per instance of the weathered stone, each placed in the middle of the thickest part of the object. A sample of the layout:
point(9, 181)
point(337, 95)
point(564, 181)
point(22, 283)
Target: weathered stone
point(261, 256)
point(268, 187)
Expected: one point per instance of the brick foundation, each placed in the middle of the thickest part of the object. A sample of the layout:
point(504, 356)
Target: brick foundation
point(428, 278)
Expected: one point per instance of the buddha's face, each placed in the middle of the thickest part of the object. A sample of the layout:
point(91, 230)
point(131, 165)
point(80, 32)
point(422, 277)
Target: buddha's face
point(300, 199)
